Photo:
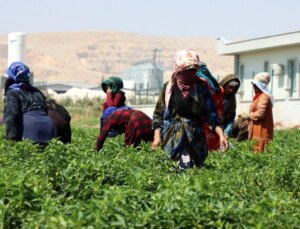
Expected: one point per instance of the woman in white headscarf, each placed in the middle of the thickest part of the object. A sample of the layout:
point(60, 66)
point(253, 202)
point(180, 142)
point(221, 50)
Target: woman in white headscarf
point(261, 116)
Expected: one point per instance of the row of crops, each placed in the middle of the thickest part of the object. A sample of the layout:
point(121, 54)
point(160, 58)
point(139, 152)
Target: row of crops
point(73, 186)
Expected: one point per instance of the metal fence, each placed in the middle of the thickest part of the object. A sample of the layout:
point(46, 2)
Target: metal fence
point(142, 96)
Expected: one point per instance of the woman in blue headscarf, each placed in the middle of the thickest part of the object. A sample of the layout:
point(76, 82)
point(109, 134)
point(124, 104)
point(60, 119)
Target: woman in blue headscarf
point(25, 111)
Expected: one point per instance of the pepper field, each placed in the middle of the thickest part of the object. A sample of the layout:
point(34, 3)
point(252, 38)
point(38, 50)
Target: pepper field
point(73, 186)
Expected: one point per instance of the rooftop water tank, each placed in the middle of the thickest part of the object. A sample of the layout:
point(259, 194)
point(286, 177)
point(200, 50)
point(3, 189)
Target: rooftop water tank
point(16, 47)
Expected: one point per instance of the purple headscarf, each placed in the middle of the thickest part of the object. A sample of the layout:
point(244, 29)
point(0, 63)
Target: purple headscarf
point(19, 73)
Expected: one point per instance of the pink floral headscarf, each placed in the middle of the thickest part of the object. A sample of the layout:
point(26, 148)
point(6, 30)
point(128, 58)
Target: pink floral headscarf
point(186, 59)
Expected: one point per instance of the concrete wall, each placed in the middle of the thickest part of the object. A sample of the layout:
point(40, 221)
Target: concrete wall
point(280, 84)
point(285, 111)
point(147, 109)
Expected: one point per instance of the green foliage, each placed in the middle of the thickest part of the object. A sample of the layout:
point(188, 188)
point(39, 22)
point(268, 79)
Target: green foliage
point(83, 106)
point(1, 104)
point(84, 112)
point(73, 186)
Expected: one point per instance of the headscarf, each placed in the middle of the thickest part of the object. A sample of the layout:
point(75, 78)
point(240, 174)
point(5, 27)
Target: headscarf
point(114, 82)
point(233, 83)
point(19, 73)
point(186, 59)
point(186, 81)
point(261, 80)
point(203, 72)
point(230, 78)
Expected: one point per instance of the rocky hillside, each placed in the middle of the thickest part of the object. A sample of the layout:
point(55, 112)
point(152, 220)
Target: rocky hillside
point(91, 56)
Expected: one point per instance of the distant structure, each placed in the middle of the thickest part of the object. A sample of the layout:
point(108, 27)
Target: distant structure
point(63, 87)
point(279, 55)
point(3, 55)
point(145, 75)
point(3, 51)
point(14, 51)
point(16, 47)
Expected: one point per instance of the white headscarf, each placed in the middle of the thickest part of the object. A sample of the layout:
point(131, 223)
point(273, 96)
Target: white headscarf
point(261, 80)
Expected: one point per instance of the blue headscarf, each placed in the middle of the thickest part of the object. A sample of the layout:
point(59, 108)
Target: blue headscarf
point(205, 73)
point(19, 73)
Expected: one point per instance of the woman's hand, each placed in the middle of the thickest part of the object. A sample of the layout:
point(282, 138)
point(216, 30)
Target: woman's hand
point(156, 142)
point(223, 144)
point(108, 90)
point(223, 139)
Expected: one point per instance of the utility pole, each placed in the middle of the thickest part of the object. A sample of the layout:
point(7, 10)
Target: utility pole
point(154, 61)
point(155, 54)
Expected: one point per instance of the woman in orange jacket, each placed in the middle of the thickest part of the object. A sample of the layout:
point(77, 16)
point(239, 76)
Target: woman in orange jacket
point(261, 116)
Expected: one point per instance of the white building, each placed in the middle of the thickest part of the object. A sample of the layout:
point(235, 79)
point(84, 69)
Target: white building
point(280, 56)
point(146, 75)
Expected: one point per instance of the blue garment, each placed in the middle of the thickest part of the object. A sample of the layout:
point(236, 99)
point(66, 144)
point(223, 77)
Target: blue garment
point(205, 73)
point(19, 73)
point(38, 127)
point(229, 115)
point(16, 86)
point(182, 137)
point(110, 110)
point(106, 113)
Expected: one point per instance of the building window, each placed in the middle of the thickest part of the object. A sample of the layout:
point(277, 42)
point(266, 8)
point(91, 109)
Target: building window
point(241, 76)
point(242, 73)
point(266, 66)
point(237, 64)
point(291, 71)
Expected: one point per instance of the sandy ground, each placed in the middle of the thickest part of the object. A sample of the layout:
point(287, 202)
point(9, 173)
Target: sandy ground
point(90, 57)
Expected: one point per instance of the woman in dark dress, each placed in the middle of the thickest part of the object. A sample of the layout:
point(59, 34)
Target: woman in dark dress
point(25, 111)
point(61, 119)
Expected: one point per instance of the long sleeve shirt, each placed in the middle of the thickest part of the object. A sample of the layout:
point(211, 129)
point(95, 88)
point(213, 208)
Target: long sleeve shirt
point(114, 100)
point(18, 102)
point(135, 124)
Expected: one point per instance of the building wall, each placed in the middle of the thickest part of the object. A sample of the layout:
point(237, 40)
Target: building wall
point(285, 111)
point(280, 84)
point(145, 75)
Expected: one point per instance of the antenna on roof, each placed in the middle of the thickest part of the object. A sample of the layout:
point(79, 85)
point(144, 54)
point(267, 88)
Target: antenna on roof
point(155, 54)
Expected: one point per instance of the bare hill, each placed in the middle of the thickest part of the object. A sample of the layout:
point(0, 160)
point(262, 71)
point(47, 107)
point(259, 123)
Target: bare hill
point(92, 56)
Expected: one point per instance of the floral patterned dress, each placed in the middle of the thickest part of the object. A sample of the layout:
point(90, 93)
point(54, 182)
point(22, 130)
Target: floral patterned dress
point(182, 123)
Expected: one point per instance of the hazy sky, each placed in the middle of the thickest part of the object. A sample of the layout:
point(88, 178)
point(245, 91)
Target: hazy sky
point(196, 18)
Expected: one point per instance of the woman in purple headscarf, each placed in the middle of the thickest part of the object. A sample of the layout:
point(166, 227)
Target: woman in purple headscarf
point(25, 111)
